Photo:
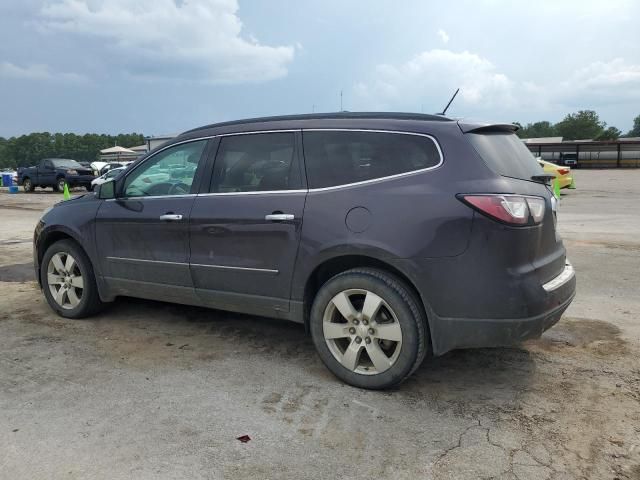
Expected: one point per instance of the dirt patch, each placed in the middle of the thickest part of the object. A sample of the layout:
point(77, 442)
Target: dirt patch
point(21, 272)
point(595, 336)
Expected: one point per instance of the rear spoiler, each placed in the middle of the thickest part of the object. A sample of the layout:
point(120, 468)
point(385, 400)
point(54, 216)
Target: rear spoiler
point(468, 127)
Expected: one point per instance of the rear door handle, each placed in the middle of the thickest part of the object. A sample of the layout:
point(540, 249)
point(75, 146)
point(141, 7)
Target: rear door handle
point(171, 217)
point(279, 217)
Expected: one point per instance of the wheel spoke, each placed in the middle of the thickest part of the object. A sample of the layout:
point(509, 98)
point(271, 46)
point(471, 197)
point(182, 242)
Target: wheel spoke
point(73, 297)
point(389, 331)
point(77, 282)
point(57, 263)
point(335, 330)
point(371, 305)
point(351, 355)
point(344, 306)
point(70, 263)
point(53, 279)
point(60, 296)
point(378, 357)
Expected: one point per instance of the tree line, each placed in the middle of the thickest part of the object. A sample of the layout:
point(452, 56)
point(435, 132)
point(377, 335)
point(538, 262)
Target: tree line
point(582, 125)
point(29, 149)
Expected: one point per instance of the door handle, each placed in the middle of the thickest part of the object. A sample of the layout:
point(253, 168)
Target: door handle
point(171, 217)
point(279, 217)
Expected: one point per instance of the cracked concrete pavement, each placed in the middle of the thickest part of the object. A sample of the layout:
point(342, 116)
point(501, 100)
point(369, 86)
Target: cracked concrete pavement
point(151, 390)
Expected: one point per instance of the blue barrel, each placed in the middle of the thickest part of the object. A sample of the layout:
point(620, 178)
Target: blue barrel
point(7, 179)
point(13, 189)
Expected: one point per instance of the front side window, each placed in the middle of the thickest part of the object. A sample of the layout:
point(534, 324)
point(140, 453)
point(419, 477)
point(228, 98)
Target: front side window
point(170, 172)
point(335, 158)
point(256, 162)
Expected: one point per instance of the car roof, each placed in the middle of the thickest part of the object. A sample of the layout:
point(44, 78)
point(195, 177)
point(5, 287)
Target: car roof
point(308, 121)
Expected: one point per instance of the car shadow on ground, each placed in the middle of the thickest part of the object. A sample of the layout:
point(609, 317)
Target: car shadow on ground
point(474, 374)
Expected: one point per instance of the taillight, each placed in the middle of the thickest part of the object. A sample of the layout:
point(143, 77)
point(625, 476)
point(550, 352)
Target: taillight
point(511, 209)
point(563, 171)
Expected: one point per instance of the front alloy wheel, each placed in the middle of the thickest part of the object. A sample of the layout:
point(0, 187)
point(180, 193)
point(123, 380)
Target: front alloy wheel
point(65, 280)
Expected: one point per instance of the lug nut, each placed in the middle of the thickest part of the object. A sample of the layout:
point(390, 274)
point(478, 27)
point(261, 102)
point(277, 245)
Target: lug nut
point(371, 331)
point(352, 331)
point(367, 340)
point(365, 322)
point(355, 321)
point(358, 339)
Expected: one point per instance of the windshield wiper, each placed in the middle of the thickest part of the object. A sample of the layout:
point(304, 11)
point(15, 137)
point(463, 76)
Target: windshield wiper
point(543, 177)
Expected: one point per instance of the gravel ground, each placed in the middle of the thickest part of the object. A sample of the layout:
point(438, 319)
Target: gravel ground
point(150, 390)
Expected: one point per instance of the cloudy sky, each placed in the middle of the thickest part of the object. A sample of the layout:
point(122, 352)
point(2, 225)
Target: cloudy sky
point(160, 66)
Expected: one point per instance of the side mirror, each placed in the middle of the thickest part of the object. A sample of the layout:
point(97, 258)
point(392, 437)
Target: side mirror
point(107, 190)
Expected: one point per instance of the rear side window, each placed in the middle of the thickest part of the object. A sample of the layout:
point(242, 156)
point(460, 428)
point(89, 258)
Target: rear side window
point(256, 162)
point(505, 154)
point(341, 157)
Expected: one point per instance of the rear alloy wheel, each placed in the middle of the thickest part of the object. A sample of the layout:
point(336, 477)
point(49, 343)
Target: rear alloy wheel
point(368, 328)
point(68, 280)
point(27, 185)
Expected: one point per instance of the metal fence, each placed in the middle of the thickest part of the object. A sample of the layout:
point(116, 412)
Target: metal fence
point(613, 154)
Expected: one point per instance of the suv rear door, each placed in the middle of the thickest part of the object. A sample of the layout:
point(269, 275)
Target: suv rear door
point(245, 228)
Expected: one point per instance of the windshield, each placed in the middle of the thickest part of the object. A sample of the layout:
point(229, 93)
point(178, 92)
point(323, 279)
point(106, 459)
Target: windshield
point(66, 163)
point(505, 154)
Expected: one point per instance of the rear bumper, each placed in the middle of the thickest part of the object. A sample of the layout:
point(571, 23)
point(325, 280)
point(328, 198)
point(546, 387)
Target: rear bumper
point(453, 333)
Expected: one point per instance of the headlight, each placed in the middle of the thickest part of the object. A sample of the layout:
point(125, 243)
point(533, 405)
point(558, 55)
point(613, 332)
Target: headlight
point(72, 172)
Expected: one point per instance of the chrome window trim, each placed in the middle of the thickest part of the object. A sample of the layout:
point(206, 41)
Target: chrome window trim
point(309, 190)
point(152, 197)
point(220, 267)
point(379, 179)
point(253, 192)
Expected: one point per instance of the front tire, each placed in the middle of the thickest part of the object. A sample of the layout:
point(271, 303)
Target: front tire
point(59, 185)
point(68, 281)
point(28, 185)
point(369, 328)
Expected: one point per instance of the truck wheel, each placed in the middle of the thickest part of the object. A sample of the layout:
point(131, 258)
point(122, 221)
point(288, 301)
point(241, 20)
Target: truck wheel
point(59, 186)
point(27, 185)
point(369, 328)
point(68, 281)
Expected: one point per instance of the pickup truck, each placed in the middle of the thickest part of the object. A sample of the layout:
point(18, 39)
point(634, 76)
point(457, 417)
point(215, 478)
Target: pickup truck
point(55, 172)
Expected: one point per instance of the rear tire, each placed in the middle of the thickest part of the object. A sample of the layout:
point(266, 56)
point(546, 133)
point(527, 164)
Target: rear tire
point(28, 185)
point(369, 328)
point(68, 281)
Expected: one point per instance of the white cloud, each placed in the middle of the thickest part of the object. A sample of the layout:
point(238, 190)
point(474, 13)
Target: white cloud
point(435, 74)
point(38, 72)
point(601, 82)
point(431, 76)
point(444, 36)
point(196, 40)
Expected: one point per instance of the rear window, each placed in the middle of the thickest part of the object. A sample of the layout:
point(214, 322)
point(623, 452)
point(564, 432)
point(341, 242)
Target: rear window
point(505, 154)
point(337, 158)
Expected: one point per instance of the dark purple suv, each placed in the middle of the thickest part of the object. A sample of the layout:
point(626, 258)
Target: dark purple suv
point(390, 236)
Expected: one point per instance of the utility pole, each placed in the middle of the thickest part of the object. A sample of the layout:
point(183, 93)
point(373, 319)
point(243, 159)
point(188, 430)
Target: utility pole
point(313, 108)
point(340, 100)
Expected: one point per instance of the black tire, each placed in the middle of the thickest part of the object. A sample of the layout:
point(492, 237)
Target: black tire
point(410, 316)
point(90, 302)
point(28, 185)
point(59, 185)
point(89, 188)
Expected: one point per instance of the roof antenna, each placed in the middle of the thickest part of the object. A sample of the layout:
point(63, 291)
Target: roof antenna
point(448, 104)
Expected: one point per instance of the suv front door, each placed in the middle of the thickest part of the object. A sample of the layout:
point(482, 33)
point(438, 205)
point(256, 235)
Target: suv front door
point(142, 236)
point(245, 230)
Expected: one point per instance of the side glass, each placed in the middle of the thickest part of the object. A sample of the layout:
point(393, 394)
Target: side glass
point(170, 172)
point(256, 162)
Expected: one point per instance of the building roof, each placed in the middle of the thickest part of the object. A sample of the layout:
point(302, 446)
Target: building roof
point(543, 140)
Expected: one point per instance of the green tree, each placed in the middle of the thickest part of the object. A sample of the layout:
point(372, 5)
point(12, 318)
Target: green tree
point(611, 133)
point(537, 130)
point(585, 124)
point(635, 131)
